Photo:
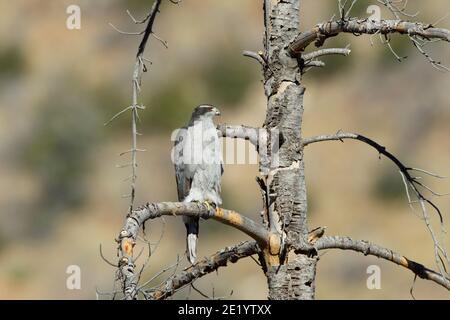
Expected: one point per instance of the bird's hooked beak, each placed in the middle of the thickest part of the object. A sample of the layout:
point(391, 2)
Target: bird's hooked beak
point(216, 111)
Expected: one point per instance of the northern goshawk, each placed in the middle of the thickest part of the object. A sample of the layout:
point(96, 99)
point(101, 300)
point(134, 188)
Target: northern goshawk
point(198, 167)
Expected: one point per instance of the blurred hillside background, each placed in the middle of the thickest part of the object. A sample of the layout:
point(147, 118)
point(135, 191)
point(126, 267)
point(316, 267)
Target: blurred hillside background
point(60, 192)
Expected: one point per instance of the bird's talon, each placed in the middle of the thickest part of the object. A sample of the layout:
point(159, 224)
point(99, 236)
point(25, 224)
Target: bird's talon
point(208, 205)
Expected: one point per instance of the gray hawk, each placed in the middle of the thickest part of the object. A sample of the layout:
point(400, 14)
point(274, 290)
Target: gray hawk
point(198, 168)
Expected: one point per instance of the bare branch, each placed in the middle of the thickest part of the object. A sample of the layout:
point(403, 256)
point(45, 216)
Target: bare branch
point(135, 220)
point(258, 56)
point(202, 268)
point(363, 26)
point(326, 52)
point(240, 131)
point(409, 181)
point(316, 233)
point(161, 40)
point(104, 258)
point(126, 32)
point(419, 33)
point(368, 248)
point(315, 63)
point(138, 21)
point(428, 173)
point(194, 209)
point(117, 115)
point(259, 137)
point(149, 28)
point(420, 46)
point(161, 272)
point(331, 137)
point(396, 10)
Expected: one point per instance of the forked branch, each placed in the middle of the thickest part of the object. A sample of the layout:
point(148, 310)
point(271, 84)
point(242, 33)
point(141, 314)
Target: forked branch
point(136, 220)
point(411, 182)
point(325, 30)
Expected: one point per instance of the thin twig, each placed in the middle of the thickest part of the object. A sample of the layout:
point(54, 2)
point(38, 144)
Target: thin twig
point(104, 258)
point(325, 52)
point(258, 56)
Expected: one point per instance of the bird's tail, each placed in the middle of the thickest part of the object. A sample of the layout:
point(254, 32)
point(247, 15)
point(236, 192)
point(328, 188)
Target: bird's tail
point(192, 227)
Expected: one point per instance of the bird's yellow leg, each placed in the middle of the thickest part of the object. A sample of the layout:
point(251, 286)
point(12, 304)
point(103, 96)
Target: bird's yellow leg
point(208, 205)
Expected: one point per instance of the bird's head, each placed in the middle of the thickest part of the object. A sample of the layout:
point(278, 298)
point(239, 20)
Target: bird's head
point(205, 111)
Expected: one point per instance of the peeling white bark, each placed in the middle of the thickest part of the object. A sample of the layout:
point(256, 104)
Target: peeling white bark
point(291, 278)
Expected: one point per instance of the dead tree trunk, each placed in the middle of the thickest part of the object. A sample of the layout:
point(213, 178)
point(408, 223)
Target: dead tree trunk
point(291, 274)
